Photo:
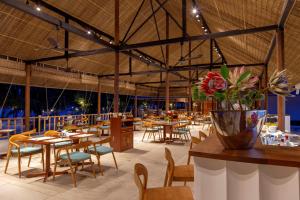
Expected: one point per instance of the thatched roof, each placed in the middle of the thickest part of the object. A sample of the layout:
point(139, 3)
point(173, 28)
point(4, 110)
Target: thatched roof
point(21, 34)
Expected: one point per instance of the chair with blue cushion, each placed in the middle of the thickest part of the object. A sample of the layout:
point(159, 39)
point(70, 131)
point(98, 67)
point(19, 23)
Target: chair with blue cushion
point(17, 148)
point(98, 149)
point(74, 156)
point(56, 134)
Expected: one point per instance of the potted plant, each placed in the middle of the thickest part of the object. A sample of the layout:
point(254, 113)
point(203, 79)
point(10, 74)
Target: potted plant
point(237, 121)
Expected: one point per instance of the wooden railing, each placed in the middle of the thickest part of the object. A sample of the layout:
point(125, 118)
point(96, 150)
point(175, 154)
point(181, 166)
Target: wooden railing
point(44, 123)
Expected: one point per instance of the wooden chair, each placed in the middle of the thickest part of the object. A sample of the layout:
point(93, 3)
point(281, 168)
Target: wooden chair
point(182, 131)
point(98, 149)
point(17, 148)
point(195, 140)
point(151, 130)
point(158, 193)
point(74, 156)
point(56, 134)
point(181, 173)
point(29, 133)
point(71, 128)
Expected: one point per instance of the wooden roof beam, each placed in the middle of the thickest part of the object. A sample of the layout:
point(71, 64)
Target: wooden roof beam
point(287, 9)
point(20, 5)
point(200, 37)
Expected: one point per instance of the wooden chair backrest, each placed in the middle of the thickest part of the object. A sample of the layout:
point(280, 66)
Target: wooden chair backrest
point(29, 133)
point(104, 141)
point(71, 127)
point(170, 166)
point(194, 140)
point(147, 124)
point(202, 135)
point(15, 140)
point(52, 133)
point(141, 170)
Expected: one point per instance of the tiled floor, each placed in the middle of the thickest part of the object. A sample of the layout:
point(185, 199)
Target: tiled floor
point(114, 185)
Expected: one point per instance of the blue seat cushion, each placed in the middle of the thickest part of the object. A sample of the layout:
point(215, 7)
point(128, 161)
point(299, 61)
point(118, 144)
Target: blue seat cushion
point(76, 156)
point(27, 150)
point(101, 149)
point(62, 144)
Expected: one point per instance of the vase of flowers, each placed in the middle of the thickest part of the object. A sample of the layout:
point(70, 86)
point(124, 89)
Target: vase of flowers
point(237, 121)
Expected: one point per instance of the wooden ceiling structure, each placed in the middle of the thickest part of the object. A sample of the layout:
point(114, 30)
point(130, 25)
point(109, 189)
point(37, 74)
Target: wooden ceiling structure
point(135, 46)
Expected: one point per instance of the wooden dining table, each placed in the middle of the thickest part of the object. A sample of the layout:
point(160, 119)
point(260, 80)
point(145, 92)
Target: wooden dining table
point(167, 128)
point(47, 142)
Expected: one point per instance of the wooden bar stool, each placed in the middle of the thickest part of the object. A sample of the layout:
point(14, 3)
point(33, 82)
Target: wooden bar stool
point(158, 193)
point(182, 173)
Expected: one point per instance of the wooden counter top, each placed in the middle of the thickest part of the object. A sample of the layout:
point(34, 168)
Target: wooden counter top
point(271, 155)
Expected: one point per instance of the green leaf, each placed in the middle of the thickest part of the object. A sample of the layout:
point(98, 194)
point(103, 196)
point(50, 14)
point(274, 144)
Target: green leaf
point(202, 96)
point(219, 96)
point(195, 95)
point(224, 72)
point(244, 76)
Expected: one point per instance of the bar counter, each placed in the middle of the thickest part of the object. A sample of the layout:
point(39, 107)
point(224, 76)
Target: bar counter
point(261, 173)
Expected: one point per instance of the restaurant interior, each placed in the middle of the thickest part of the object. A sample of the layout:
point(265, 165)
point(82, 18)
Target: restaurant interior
point(180, 99)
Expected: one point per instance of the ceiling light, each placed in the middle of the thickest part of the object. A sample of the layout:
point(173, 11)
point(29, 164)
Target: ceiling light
point(194, 11)
point(110, 42)
point(38, 8)
point(198, 20)
point(203, 27)
point(89, 32)
point(205, 30)
point(197, 16)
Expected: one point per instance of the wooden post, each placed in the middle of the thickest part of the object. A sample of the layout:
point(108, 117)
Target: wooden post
point(167, 66)
point(266, 84)
point(190, 83)
point(27, 96)
point(117, 58)
point(135, 104)
point(280, 66)
point(99, 97)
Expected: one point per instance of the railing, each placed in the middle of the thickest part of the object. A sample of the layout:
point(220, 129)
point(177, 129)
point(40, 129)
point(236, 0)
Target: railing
point(44, 123)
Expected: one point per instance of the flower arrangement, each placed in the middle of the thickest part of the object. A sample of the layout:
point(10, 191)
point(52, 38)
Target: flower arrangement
point(237, 89)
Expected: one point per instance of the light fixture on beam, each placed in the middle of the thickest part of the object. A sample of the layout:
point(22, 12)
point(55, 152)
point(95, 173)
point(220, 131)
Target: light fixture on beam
point(194, 11)
point(38, 8)
point(89, 32)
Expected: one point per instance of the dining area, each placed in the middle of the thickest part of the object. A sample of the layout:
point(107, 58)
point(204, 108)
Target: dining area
point(62, 160)
point(55, 149)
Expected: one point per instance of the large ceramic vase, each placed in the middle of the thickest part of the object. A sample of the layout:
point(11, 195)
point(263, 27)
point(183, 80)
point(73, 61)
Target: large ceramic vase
point(238, 129)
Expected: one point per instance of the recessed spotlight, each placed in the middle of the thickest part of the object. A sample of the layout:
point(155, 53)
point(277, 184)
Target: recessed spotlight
point(110, 42)
point(89, 32)
point(197, 16)
point(140, 56)
point(38, 8)
point(203, 27)
point(194, 11)
point(198, 20)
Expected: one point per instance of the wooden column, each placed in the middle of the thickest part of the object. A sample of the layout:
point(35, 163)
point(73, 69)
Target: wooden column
point(265, 85)
point(167, 66)
point(117, 58)
point(135, 104)
point(99, 96)
point(280, 66)
point(210, 67)
point(190, 83)
point(27, 96)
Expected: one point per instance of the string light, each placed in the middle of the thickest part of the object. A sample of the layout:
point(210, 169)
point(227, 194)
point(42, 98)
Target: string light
point(194, 11)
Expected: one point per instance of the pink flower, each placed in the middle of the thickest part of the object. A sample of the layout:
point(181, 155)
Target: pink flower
point(212, 83)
